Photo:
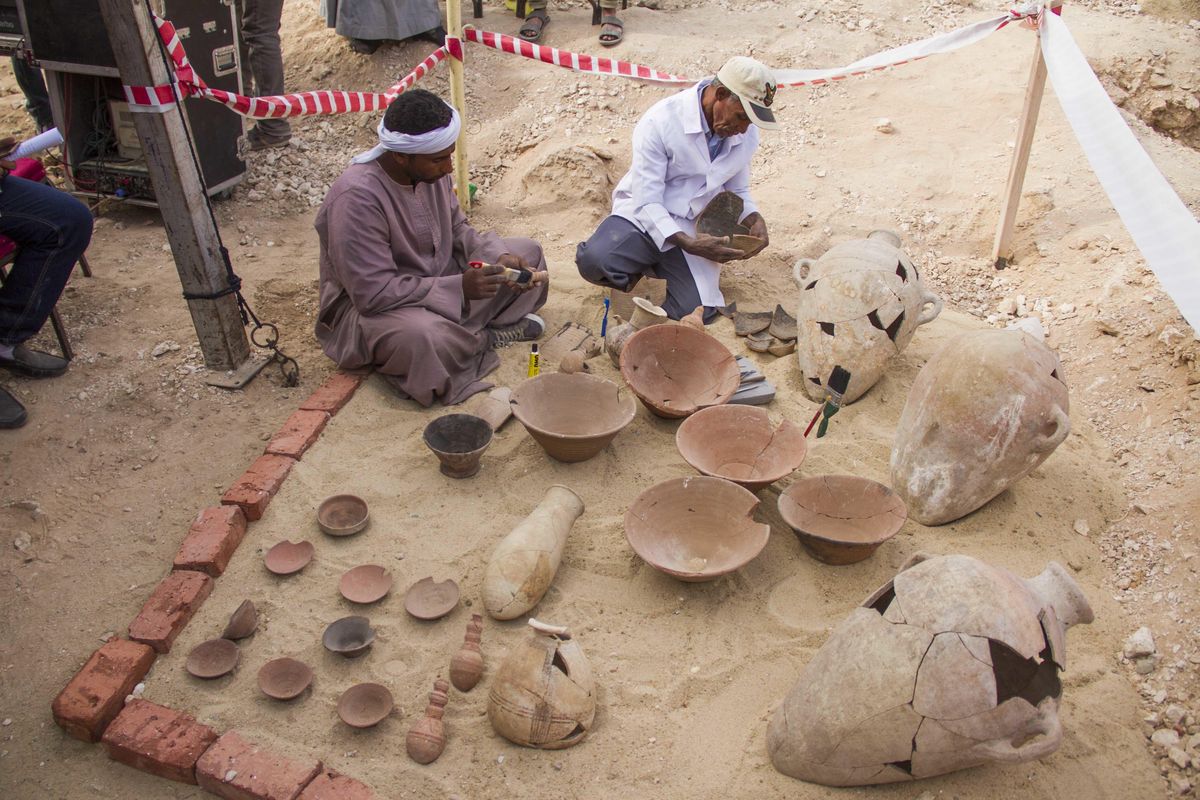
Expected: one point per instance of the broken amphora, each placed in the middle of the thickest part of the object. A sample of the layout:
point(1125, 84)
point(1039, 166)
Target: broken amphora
point(860, 305)
point(543, 695)
point(951, 664)
point(982, 414)
point(526, 560)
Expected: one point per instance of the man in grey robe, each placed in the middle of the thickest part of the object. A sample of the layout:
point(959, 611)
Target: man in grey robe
point(397, 288)
point(369, 23)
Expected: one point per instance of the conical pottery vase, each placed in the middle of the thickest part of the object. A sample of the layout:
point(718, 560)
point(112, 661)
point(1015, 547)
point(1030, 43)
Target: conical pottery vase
point(860, 305)
point(952, 664)
point(543, 695)
point(526, 560)
point(982, 414)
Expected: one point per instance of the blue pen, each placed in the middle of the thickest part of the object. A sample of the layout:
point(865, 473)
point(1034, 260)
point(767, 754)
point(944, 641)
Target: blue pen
point(604, 322)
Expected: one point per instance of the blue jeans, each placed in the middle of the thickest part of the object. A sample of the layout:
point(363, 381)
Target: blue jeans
point(52, 229)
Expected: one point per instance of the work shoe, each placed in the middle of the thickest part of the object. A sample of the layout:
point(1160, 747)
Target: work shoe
point(34, 363)
point(261, 141)
point(528, 329)
point(12, 413)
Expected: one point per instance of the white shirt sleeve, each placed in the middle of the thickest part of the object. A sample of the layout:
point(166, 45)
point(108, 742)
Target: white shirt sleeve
point(649, 174)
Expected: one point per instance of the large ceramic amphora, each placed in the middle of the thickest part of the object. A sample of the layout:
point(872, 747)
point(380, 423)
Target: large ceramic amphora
point(860, 305)
point(982, 414)
point(951, 664)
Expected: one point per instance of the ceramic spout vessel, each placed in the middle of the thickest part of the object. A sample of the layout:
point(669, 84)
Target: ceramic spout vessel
point(543, 695)
point(951, 664)
point(466, 668)
point(981, 414)
point(427, 738)
point(645, 314)
point(526, 560)
point(860, 305)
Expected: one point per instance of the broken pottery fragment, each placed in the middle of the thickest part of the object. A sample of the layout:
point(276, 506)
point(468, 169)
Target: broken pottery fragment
point(860, 305)
point(951, 664)
point(543, 695)
point(645, 314)
point(526, 560)
point(982, 414)
point(243, 622)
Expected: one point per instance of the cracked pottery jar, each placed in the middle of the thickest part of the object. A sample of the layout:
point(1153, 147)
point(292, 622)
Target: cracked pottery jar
point(952, 664)
point(543, 695)
point(860, 305)
point(982, 414)
point(645, 314)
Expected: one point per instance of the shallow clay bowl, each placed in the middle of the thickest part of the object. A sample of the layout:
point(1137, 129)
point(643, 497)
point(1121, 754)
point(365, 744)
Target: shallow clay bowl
point(428, 600)
point(695, 528)
point(841, 519)
point(364, 705)
point(365, 584)
point(747, 244)
point(349, 636)
point(284, 678)
point(243, 621)
point(737, 443)
point(677, 370)
point(213, 658)
point(288, 557)
point(458, 441)
point(342, 515)
point(573, 416)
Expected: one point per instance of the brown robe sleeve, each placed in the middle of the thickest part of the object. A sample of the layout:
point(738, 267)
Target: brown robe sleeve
point(378, 274)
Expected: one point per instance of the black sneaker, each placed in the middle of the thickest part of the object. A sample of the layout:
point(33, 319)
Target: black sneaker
point(12, 413)
point(529, 329)
point(34, 363)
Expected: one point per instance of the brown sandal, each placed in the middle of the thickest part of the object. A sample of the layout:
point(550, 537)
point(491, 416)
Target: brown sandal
point(533, 32)
point(612, 30)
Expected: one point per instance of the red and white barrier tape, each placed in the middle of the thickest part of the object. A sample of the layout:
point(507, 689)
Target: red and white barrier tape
point(578, 62)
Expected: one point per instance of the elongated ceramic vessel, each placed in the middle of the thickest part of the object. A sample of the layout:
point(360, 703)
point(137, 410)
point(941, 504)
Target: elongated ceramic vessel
point(526, 560)
point(951, 664)
point(982, 414)
point(860, 305)
point(543, 695)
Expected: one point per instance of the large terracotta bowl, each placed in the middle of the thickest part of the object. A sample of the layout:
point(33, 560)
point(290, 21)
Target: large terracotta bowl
point(677, 370)
point(841, 519)
point(696, 528)
point(737, 443)
point(573, 416)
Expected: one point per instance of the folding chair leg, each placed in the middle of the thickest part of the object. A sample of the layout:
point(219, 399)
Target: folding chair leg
point(60, 331)
point(83, 265)
point(595, 12)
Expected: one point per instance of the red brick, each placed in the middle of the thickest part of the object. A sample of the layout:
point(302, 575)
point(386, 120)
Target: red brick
point(90, 701)
point(176, 598)
point(298, 434)
point(254, 490)
point(334, 393)
point(212, 540)
point(335, 786)
point(257, 774)
point(158, 740)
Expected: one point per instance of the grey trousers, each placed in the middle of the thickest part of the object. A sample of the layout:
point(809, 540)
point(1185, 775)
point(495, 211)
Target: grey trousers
point(263, 54)
point(619, 253)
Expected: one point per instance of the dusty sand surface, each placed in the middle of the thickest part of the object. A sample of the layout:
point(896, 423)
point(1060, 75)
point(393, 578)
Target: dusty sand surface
point(119, 454)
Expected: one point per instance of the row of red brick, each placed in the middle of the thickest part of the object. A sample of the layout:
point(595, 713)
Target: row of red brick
point(170, 744)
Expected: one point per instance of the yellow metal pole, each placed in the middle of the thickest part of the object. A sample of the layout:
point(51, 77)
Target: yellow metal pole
point(458, 97)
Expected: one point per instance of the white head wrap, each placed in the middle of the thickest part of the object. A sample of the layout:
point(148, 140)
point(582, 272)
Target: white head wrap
point(434, 141)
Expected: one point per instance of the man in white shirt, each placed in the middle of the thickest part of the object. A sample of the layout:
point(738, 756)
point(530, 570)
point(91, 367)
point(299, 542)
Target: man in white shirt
point(687, 149)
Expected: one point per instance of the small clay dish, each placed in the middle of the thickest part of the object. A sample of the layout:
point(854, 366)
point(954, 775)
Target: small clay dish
point(458, 441)
point(286, 558)
point(759, 342)
point(365, 584)
point(242, 622)
point(213, 658)
point(349, 636)
point(572, 416)
point(284, 678)
point(677, 370)
point(342, 515)
point(841, 519)
point(364, 705)
point(696, 528)
point(747, 244)
point(428, 600)
point(737, 443)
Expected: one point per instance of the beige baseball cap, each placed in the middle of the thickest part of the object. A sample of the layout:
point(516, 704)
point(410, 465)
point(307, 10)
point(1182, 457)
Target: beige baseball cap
point(754, 84)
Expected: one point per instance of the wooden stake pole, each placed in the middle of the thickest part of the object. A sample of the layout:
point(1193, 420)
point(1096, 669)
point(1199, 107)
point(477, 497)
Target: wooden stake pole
point(1002, 248)
point(458, 96)
point(178, 189)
